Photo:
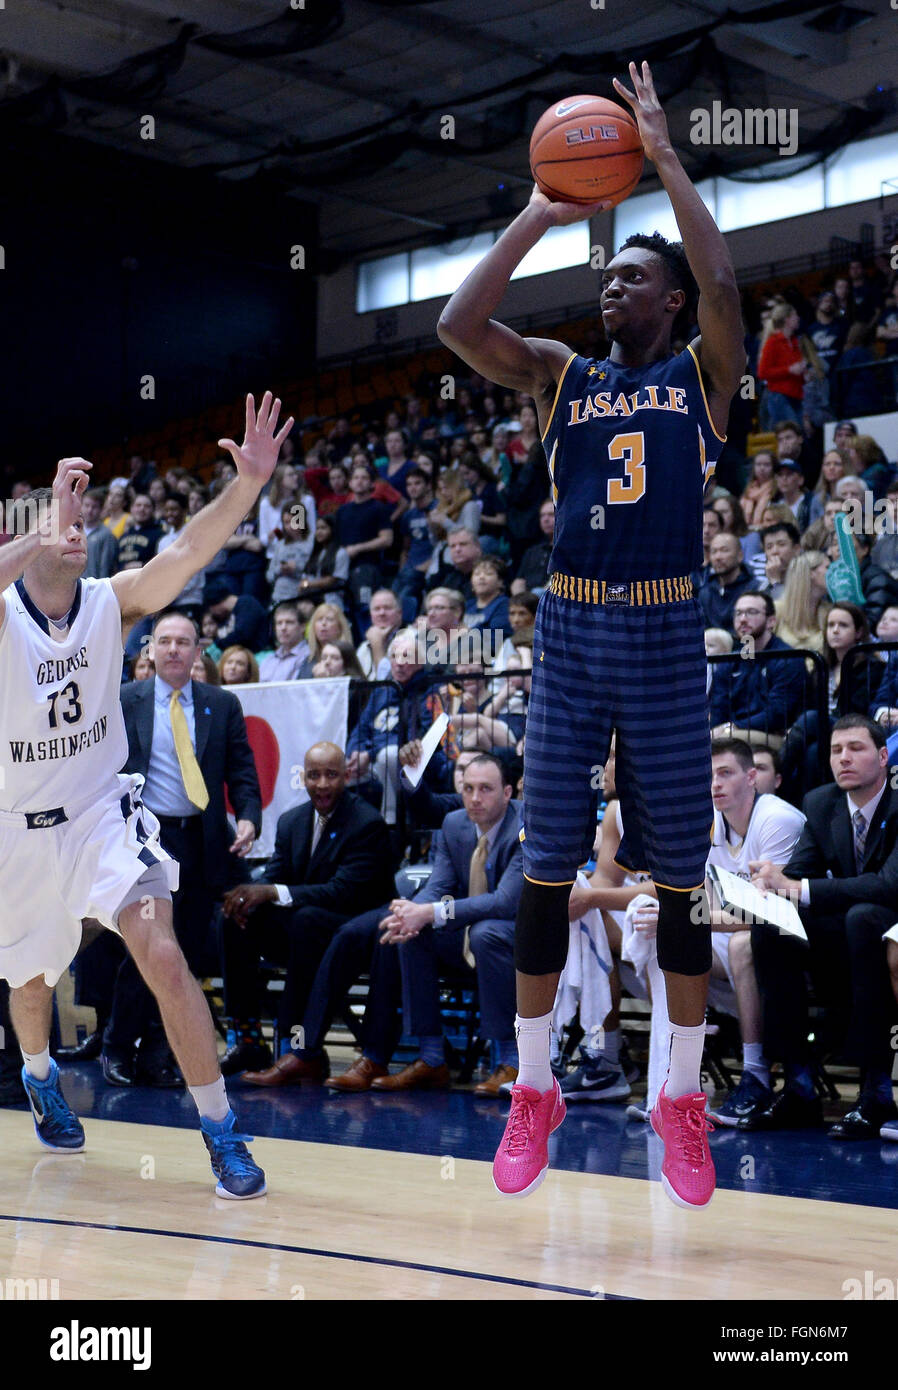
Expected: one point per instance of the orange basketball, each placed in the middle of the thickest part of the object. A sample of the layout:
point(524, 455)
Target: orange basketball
point(586, 150)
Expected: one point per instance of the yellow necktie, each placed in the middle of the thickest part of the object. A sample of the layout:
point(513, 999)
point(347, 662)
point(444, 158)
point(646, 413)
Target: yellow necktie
point(477, 880)
point(477, 884)
point(194, 785)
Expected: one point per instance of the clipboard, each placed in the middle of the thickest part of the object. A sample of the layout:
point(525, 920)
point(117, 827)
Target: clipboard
point(743, 899)
point(429, 744)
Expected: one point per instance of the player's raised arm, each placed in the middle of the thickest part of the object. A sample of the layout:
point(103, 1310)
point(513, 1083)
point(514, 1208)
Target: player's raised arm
point(466, 324)
point(149, 589)
point(721, 348)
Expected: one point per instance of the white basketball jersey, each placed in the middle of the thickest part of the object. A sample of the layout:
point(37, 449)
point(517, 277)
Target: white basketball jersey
point(772, 833)
point(643, 875)
point(62, 732)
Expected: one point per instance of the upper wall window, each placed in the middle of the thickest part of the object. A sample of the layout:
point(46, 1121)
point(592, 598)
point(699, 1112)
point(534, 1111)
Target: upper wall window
point(432, 272)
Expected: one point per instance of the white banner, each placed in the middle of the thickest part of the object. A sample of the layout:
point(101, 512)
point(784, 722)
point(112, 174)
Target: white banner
point(283, 720)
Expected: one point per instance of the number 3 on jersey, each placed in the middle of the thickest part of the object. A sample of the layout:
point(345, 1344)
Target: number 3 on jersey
point(73, 711)
point(630, 448)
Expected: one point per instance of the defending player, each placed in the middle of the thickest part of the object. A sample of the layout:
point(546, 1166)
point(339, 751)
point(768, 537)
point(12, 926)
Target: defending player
point(631, 442)
point(75, 840)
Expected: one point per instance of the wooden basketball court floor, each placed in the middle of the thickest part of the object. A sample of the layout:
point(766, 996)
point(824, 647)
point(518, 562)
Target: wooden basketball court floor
point(390, 1197)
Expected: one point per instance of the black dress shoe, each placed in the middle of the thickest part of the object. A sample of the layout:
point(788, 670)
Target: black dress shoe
point(117, 1070)
point(87, 1051)
point(165, 1076)
point(156, 1066)
point(245, 1056)
point(864, 1121)
point(788, 1110)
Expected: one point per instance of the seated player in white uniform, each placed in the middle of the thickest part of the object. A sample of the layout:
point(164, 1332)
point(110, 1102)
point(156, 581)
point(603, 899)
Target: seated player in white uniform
point(75, 840)
point(743, 820)
point(748, 826)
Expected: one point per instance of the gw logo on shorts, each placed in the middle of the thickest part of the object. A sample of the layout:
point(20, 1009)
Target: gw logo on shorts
point(617, 593)
point(42, 820)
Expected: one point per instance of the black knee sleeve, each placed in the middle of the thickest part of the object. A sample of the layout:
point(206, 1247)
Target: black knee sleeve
point(684, 931)
point(542, 931)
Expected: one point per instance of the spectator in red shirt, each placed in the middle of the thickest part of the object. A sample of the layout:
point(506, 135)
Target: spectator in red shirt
point(781, 367)
point(336, 491)
point(519, 445)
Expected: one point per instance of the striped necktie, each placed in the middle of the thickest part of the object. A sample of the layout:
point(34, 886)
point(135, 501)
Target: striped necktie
point(320, 823)
point(861, 827)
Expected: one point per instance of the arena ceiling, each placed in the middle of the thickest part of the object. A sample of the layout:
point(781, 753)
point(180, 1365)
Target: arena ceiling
point(341, 102)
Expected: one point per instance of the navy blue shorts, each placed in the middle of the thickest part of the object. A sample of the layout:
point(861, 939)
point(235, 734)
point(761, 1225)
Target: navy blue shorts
point(639, 670)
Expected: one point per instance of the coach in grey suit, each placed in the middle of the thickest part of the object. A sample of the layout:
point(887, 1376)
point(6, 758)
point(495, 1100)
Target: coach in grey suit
point(462, 922)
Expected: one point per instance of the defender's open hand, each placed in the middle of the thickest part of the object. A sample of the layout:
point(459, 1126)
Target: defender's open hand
point(256, 457)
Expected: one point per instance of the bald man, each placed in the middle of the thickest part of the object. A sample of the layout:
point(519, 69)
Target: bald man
point(332, 860)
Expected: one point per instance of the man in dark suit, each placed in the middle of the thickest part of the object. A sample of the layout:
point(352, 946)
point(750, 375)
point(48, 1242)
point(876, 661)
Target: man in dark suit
point(351, 953)
point(189, 741)
point(846, 862)
point(331, 861)
point(460, 922)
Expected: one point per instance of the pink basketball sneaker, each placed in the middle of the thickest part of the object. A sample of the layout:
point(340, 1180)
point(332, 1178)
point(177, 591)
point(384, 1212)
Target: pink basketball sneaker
point(687, 1172)
point(522, 1159)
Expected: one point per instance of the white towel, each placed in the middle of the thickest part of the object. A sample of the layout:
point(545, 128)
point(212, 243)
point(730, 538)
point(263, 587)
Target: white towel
point(584, 982)
point(642, 953)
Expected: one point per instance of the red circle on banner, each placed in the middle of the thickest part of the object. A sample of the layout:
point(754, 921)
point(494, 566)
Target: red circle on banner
point(267, 756)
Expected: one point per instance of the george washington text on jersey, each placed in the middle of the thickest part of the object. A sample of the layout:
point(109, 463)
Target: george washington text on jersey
point(58, 670)
point(66, 746)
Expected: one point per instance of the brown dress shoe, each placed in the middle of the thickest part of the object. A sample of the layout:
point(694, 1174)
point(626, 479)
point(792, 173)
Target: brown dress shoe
point(418, 1076)
point(359, 1077)
point(289, 1070)
point(500, 1077)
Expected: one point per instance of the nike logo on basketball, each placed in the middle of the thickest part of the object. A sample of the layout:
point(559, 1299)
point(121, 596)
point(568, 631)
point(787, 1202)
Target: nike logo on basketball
point(567, 106)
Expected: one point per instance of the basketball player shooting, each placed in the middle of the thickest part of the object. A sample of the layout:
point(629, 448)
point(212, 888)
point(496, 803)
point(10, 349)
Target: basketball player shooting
point(631, 442)
point(75, 840)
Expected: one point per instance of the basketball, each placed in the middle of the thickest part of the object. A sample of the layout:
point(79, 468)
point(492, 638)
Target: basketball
point(586, 149)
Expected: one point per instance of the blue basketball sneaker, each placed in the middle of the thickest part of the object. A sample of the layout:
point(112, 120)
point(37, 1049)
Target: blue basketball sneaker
point(596, 1079)
point(55, 1124)
point(238, 1175)
point(750, 1095)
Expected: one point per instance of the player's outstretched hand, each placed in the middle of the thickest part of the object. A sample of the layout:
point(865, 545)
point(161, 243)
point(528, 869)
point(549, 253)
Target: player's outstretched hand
point(68, 485)
point(650, 118)
point(563, 214)
point(256, 457)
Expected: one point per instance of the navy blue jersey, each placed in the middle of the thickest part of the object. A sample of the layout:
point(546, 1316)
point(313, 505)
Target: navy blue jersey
point(630, 450)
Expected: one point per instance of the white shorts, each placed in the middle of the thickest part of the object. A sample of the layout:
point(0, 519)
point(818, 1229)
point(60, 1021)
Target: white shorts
point(52, 877)
point(720, 946)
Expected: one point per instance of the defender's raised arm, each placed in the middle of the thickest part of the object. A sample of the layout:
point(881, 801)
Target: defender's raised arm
point(149, 589)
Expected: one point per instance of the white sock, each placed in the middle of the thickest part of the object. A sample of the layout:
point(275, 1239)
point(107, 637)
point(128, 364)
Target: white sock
point(37, 1064)
point(211, 1101)
point(685, 1066)
point(533, 1035)
point(753, 1060)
